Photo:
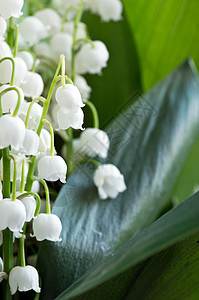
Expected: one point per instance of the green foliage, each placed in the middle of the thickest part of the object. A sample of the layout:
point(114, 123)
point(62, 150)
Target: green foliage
point(146, 140)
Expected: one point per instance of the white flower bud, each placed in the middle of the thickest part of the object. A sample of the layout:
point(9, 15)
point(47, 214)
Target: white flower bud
point(29, 203)
point(12, 215)
point(94, 142)
point(69, 98)
point(5, 50)
point(63, 4)
point(52, 168)
point(61, 43)
point(47, 227)
point(13, 132)
point(27, 58)
point(24, 279)
point(50, 19)
point(6, 71)
point(91, 60)
point(74, 120)
point(33, 85)
point(44, 141)
point(35, 114)
point(31, 143)
point(110, 10)
point(35, 187)
point(11, 8)
point(109, 181)
point(81, 32)
point(82, 85)
point(32, 30)
point(9, 99)
point(3, 27)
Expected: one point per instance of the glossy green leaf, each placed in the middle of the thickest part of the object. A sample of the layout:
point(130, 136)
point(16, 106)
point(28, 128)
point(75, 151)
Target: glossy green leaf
point(150, 142)
point(166, 32)
point(177, 224)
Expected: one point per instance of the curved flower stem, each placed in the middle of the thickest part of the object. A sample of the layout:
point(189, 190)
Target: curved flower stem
point(30, 107)
point(64, 18)
point(48, 209)
point(18, 102)
point(63, 71)
point(11, 32)
point(13, 68)
point(36, 196)
point(34, 58)
point(88, 41)
point(52, 137)
point(94, 113)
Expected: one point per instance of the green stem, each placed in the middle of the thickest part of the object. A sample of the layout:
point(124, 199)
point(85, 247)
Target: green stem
point(69, 146)
point(30, 107)
point(63, 71)
point(52, 137)
point(22, 247)
point(11, 32)
point(36, 196)
point(14, 187)
point(85, 41)
point(48, 209)
point(18, 102)
point(94, 113)
point(22, 177)
point(13, 68)
point(45, 110)
point(16, 41)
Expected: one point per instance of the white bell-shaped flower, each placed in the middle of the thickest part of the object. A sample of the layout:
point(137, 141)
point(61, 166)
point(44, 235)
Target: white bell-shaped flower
point(43, 49)
point(53, 112)
point(11, 8)
point(52, 168)
point(82, 85)
point(50, 19)
point(6, 71)
point(47, 227)
point(12, 132)
point(30, 204)
point(44, 141)
point(81, 29)
point(109, 181)
point(33, 85)
point(61, 43)
point(35, 187)
point(94, 142)
point(69, 98)
point(32, 30)
point(91, 60)
point(3, 27)
point(12, 215)
point(110, 10)
point(27, 58)
point(30, 143)
point(24, 279)
point(1, 237)
point(3, 275)
point(74, 120)
point(35, 114)
point(5, 50)
point(9, 99)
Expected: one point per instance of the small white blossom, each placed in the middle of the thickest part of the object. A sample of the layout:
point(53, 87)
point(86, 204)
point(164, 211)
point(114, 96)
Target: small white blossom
point(47, 227)
point(44, 141)
point(11, 8)
point(74, 120)
point(50, 19)
point(82, 85)
point(27, 58)
point(109, 181)
point(9, 99)
point(12, 215)
point(52, 168)
point(3, 275)
point(61, 43)
point(94, 142)
point(91, 60)
point(33, 85)
point(24, 279)
point(6, 71)
point(35, 187)
point(31, 143)
point(13, 132)
point(5, 50)
point(110, 10)
point(29, 203)
point(3, 27)
point(35, 114)
point(32, 30)
point(69, 98)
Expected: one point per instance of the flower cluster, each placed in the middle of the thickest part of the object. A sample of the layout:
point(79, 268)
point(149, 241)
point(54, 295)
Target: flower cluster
point(30, 112)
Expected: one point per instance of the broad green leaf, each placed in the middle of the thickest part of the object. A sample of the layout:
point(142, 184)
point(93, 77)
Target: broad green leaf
point(174, 226)
point(122, 78)
point(150, 142)
point(165, 32)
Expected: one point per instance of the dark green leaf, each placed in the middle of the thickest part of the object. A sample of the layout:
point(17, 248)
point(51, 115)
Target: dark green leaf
point(165, 32)
point(150, 142)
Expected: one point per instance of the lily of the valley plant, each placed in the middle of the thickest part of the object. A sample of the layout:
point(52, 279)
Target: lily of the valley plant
point(32, 111)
